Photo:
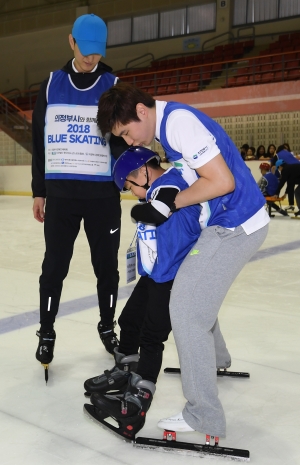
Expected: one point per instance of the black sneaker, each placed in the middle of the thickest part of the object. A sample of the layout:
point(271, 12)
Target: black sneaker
point(108, 336)
point(297, 213)
point(44, 353)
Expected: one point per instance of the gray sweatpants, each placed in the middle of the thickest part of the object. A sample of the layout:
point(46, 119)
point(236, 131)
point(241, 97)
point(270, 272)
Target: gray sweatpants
point(199, 289)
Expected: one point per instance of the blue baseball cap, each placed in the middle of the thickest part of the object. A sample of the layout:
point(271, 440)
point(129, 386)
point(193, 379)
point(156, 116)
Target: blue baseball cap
point(279, 163)
point(90, 33)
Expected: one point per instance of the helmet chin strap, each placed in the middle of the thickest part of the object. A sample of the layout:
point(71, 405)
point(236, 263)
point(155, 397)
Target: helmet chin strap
point(145, 186)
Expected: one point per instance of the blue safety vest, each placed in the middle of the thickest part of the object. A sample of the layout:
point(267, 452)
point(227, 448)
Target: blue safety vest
point(235, 208)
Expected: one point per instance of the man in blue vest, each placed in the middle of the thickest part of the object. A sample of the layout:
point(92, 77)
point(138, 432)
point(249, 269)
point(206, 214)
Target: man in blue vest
point(234, 225)
point(72, 180)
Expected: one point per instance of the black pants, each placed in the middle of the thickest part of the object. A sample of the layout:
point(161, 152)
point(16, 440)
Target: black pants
point(102, 223)
point(145, 325)
point(291, 194)
point(297, 196)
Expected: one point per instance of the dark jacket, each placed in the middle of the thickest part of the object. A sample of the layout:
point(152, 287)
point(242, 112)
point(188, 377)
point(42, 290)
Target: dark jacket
point(67, 188)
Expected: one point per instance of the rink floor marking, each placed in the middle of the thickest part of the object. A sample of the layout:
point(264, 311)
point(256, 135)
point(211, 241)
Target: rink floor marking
point(31, 318)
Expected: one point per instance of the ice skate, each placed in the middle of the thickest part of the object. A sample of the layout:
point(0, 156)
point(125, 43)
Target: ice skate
point(115, 379)
point(129, 411)
point(44, 352)
point(108, 336)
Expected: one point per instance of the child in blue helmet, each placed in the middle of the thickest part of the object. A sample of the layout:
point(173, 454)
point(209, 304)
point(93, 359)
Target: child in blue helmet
point(164, 236)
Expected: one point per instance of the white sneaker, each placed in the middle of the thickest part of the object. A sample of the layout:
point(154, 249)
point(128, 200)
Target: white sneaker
point(175, 423)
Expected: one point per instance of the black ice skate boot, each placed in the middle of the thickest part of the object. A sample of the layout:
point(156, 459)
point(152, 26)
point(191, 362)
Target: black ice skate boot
point(115, 379)
point(108, 336)
point(44, 353)
point(128, 411)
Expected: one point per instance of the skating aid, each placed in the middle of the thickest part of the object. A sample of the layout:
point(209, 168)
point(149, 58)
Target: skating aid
point(169, 444)
point(130, 414)
point(220, 372)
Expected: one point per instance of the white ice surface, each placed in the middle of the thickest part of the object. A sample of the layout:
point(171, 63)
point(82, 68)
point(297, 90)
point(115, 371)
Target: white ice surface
point(45, 425)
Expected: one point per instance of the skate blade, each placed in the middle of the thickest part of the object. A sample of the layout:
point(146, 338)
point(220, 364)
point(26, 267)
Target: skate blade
point(46, 367)
point(112, 394)
point(233, 374)
point(190, 449)
point(90, 412)
point(295, 217)
point(220, 372)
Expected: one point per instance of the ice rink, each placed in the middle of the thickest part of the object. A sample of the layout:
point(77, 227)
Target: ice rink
point(45, 425)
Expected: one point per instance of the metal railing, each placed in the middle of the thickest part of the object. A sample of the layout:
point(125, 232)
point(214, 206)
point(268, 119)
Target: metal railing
point(15, 123)
point(221, 74)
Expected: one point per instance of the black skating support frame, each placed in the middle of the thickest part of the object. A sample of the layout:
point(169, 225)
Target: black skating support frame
point(168, 443)
point(223, 372)
point(186, 448)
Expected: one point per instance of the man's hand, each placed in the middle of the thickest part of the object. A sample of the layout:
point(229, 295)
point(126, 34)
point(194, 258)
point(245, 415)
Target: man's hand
point(39, 209)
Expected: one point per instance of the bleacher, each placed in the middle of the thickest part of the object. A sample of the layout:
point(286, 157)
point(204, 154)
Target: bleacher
point(187, 73)
point(226, 65)
point(279, 62)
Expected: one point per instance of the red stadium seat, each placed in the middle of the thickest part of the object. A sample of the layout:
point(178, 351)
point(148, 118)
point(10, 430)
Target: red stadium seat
point(242, 80)
point(293, 74)
point(280, 76)
point(267, 77)
point(193, 87)
point(231, 81)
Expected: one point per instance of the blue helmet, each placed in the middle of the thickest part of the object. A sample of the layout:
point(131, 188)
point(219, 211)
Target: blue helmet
point(279, 163)
point(130, 160)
